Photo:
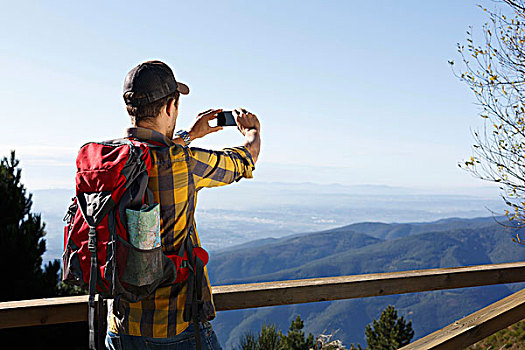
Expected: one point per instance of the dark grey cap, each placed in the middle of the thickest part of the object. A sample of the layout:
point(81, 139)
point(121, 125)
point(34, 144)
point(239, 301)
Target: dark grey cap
point(150, 81)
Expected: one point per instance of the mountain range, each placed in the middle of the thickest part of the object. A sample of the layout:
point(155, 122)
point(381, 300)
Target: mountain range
point(359, 248)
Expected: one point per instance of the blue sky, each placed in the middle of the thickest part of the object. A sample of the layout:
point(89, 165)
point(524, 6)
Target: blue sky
point(348, 92)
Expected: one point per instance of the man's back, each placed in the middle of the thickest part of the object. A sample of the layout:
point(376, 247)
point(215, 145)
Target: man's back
point(176, 174)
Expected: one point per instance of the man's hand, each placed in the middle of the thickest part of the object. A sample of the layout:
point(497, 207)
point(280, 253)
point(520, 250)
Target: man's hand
point(201, 126)
point(248, 124)
point(246, 121)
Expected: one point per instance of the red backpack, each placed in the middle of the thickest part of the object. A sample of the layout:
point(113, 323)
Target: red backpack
point(112, 176)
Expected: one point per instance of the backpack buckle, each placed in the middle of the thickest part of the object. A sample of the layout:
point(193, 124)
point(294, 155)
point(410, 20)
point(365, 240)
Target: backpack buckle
point(92, 243)
point(71, 211)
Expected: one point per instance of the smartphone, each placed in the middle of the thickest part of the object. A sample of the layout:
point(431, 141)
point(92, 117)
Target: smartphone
point(226, 118)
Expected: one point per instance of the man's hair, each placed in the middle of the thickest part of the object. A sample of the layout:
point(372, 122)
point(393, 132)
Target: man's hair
point(152, 110)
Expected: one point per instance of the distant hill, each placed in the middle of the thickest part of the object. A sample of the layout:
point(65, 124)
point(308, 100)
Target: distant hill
point(366, 248)
point(391, 231)
point(385, 231)
point(292, 253)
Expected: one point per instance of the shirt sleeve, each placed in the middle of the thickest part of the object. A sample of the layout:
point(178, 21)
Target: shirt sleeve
point(218, 168)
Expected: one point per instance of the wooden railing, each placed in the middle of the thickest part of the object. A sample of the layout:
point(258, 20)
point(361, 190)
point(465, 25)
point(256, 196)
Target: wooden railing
point(476, 326)
point(241, 296)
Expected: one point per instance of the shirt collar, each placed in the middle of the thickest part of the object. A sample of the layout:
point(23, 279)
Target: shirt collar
point(148, 135)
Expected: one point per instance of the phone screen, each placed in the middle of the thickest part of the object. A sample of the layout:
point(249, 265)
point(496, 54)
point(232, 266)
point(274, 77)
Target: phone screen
point(226, 118)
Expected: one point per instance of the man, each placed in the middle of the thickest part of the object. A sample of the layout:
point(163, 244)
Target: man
point(152, 97)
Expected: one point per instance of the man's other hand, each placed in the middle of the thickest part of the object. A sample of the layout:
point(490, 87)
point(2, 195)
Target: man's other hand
point(201, 126)
point(248, 124)
point(246, 121)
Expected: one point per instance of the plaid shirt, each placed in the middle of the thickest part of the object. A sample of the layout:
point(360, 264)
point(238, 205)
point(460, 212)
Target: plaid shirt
point(176, 174)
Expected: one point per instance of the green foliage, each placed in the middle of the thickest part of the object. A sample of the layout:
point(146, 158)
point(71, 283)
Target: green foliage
point(270, 339)
point(295, 339)
point(22, 241)
point(64, 289)
point(493, 70)
point(21, 247)
point(387, 333)
point(250, 342)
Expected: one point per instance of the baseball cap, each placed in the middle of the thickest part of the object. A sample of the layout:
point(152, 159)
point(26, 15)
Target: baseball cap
point(150, 81)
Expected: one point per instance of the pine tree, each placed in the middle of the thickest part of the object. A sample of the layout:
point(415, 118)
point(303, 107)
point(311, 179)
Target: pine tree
point(387, 333)
point(295, 339)
point(22, 241)
point(250, 342)
point(270, 339)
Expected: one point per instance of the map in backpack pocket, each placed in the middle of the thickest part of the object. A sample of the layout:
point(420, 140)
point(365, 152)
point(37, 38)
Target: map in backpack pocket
point(144, 227)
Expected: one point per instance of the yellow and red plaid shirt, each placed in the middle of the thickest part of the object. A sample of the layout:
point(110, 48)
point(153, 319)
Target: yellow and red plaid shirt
point(176, 174)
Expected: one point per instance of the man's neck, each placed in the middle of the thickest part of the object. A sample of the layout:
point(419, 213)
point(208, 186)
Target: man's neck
point(153, 126)
point(162, 124)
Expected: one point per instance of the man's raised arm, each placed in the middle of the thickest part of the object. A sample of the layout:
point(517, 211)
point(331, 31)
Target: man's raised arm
point(249, 126)
point(247, 123)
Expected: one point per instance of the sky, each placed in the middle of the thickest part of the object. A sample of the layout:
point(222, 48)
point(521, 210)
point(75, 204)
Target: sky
point(347, 92)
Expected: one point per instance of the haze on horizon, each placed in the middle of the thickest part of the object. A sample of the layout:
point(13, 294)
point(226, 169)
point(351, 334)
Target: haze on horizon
point(347, 92)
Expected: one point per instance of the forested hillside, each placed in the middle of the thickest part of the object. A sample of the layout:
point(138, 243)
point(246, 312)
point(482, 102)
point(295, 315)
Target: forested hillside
point(349, 250)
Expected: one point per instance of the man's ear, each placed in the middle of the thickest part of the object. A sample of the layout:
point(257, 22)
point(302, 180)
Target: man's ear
point(171, 107)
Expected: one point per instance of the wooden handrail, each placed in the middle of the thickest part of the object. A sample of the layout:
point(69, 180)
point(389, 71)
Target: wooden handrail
point(242, 296)
point(476, 326)
point(74, 309)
